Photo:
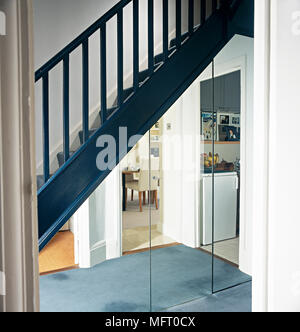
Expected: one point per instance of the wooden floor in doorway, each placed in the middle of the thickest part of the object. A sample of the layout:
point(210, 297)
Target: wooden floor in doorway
point(58, 255)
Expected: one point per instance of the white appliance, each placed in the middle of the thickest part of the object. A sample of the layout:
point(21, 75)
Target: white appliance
point(225, 207)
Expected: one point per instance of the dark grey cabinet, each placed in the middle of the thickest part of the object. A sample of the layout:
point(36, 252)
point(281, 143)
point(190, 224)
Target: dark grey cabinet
point(227, 93)
point(232, 92)
point(206, 96)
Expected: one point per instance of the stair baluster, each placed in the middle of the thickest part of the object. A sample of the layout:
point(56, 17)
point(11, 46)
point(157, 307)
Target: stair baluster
point(178, 24)
point(136, 61)
point(66, 107)
point(120, 56)
point(46, 126)
point(103, 74)
point(165, 30)
point(191, 17)
point(203, 11)
point(85, 89)
point(214, 5)
point(150, 37)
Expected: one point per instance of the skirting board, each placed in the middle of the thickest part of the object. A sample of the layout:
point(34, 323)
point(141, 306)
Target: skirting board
point(97, 256)
point(98, 253)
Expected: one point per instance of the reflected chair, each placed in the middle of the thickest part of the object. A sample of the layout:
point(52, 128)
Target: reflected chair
point(143, 184)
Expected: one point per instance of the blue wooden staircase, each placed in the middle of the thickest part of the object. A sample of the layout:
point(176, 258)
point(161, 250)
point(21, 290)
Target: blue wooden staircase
point(138, 108)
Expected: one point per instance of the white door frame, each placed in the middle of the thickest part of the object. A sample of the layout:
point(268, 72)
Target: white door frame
point(261, 142)
point(19, 245)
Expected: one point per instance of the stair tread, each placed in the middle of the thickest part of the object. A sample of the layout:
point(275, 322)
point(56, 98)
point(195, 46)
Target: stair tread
point(40, 181)
point(62, 153)
point(91, 130)
point(61, 157)
point(144, 74)
point(183, 36)
point(160, 57)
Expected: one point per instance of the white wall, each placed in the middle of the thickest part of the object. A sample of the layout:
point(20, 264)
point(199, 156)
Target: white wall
point(58, 22)
point(276, 284)
point(180, 161)
point(97, 224)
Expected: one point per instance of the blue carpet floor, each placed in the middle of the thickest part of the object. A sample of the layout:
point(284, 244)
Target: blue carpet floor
point(237, 299)
point(179, 274)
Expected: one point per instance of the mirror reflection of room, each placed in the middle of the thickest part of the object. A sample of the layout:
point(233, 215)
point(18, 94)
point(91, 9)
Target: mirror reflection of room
point(220, 158)
point(141, 182)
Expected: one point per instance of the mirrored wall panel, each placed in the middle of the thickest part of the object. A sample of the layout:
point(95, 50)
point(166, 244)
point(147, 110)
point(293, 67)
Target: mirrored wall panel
point(136, 227)
point(227, 174)
point(181, 270)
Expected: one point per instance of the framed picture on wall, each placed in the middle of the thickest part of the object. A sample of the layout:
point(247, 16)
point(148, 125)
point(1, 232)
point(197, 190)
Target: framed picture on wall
point(235, 120)
point(224, 119)
point(208, 126)
point(232, 134)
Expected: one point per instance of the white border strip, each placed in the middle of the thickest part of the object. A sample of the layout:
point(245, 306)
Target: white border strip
point(2, 284)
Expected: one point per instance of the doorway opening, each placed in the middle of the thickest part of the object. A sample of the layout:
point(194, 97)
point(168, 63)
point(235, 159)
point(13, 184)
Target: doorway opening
point(142, 186)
